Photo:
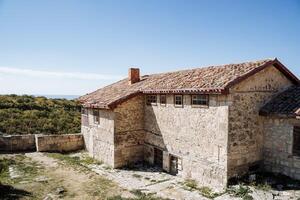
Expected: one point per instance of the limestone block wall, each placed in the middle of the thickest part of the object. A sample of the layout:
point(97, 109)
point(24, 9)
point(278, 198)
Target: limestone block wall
point(59, 143)
point(196, 135)
point(129, 132)
point(99, 138)
point(13, 143)
point(245, 139)
point(278, 144)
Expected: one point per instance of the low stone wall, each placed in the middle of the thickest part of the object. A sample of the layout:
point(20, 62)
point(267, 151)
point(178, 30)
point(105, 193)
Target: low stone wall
point(59, 143)
point(13, 143)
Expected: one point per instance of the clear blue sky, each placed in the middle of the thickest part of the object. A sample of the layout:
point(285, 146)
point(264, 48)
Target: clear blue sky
point(74, 47)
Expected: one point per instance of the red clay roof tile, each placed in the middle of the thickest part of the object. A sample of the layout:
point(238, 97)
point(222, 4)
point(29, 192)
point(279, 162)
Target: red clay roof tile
point(213, 79)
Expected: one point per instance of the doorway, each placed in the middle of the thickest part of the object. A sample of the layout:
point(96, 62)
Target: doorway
point(158, 157)
point(173, 165)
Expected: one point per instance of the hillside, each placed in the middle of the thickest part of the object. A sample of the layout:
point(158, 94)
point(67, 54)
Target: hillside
point(38, 115)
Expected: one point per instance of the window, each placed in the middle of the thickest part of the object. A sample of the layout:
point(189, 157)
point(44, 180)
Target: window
point(151, 99)
point(84, 111)
point(178, 100)
point(296, 141)
point(84, 117)
point(96, 116)
point(200, 100)
point(163, 99)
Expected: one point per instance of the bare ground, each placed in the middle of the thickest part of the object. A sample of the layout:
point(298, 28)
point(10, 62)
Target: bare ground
point(76, 176)
point(54, 180)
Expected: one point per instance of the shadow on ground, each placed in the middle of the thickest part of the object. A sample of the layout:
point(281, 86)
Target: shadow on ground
point(142, 167)
point(278, 182)
point(8, 192)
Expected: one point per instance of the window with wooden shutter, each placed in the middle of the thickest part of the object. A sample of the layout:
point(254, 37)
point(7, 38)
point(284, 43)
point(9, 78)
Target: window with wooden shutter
point(296, 141)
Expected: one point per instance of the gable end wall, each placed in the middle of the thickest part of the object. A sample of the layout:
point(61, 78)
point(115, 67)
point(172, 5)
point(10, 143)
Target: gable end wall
point(245, 139)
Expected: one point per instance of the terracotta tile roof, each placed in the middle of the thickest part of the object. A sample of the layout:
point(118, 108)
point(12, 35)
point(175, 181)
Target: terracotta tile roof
point(213, 79)
point(285, 104)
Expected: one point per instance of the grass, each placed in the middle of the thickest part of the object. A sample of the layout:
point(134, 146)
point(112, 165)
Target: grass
point(27, 170)
point(192, 185)
point(241, 191)
point(75, 161)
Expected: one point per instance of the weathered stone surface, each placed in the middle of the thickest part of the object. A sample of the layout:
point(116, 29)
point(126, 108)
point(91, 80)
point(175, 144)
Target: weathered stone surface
point(212, 143)
point(278, 155)
point(59, 143)
point(129, 133)
point(245, 137)
point(14, 143)
point(198, 136)
point(99, 138)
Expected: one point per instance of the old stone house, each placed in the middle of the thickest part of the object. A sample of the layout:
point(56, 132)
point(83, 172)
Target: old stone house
point(207, 124)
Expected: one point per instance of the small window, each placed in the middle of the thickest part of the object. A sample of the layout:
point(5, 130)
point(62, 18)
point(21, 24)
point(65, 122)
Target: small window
point(151, 99)
point(178, 100)
point(200, 100)
point(84, 111)
point(296, 141)
point(163, 99)
point(96, 116)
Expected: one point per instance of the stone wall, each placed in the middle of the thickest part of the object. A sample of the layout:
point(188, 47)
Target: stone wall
point(129, 133)
point(14, 143)
point(245, 140)
point(278, 155)
point(99, 138)
point(198, 136)
point(59, 143)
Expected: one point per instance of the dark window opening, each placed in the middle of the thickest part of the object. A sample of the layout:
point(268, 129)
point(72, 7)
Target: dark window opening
point(200, 100)
point(178, 100)
point(151, 99)
point(96, 116)
point(84, 111)
point(163, 99)
point(296, 141)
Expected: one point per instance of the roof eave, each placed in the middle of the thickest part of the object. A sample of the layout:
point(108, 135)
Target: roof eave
point(186, 91)
point(276, 64)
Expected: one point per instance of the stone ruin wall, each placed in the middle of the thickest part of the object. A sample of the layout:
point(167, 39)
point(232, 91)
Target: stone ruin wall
point(196, 135)
point(15, 143)
point(245, 140)
point(59, 143)
point(37, 142)
point(278, 145)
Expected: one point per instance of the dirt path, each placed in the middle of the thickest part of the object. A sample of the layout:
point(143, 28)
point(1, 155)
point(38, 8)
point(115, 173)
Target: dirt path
point(78, 184)
point(37, 176)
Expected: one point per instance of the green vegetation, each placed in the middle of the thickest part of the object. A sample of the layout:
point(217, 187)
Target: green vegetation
point(192, 185)
point(25, 172)
point(38, 115)
point(241, 191)
point(75, 161)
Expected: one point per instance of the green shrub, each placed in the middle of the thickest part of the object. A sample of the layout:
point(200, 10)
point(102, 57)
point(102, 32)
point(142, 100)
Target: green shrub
point(38, 115)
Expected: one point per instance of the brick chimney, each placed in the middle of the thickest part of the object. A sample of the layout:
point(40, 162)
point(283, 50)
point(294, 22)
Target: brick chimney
point(133, 75)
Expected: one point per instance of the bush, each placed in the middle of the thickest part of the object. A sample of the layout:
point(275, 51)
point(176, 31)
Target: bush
point(38, 115)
